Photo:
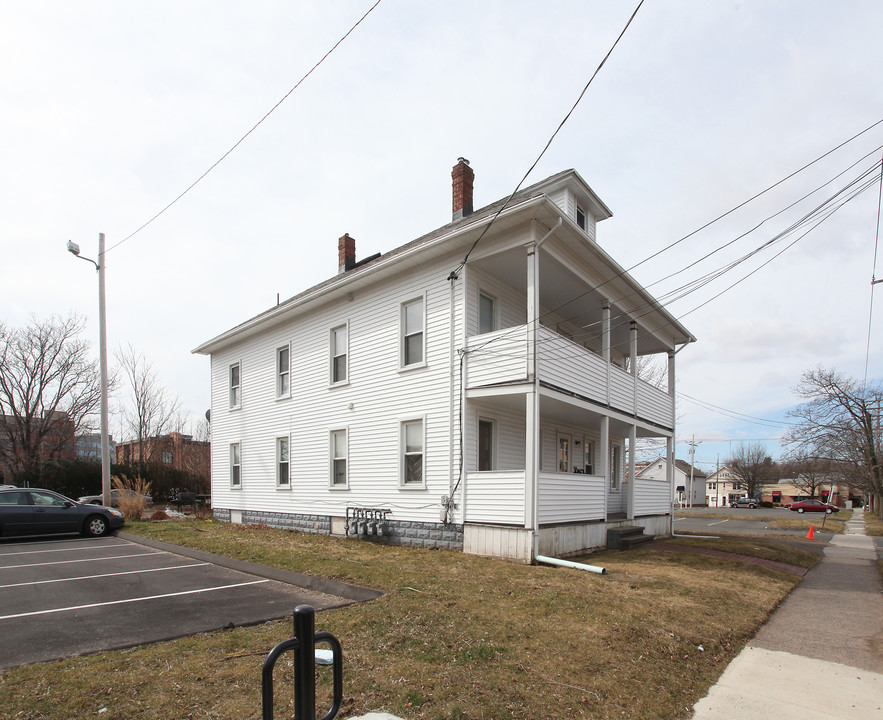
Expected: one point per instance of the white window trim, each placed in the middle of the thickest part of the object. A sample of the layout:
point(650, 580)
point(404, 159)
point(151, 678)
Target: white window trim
point(346, 380)
point(616, 472)
point(235, 486)
point(589, 448)
point(278, 372)
point(230, 386)
point(559, 436)
point(402, 446)
point(280, 486)
point(332, 458)
point(496, 302)
point(493, 424)
point(401, 338)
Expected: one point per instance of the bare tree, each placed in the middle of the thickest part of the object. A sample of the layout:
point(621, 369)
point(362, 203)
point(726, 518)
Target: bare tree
point(810, 473)
point(840, 420)
point(49, 392)
point(752, 466)
point(151, 411)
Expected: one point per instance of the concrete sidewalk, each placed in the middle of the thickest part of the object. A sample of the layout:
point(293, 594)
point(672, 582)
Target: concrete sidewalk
point(820, 655)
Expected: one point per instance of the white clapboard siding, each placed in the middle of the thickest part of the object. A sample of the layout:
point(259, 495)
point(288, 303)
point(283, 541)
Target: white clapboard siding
point(370, 407)
point(497, 357)
point(495, 497)
point(652, 497)
point(570, 497)
point(567, 365)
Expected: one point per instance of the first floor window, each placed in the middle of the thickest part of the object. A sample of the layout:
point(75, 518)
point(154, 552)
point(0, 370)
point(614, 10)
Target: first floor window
point(485, 445)
point(589, 458)
point(412, 442)
point(282, 462)
point(235, 466)
point(563, 453)
point(338, 458)
point(167, 457)
point(615, 467)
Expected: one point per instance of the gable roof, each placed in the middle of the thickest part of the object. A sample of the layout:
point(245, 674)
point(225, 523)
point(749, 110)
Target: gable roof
point(461, 229)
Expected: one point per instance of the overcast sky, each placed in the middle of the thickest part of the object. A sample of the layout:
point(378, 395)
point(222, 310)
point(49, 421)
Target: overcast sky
point(111, 109)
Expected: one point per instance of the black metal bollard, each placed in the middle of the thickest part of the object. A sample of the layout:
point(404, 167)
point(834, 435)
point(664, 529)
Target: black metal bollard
point(304, 645)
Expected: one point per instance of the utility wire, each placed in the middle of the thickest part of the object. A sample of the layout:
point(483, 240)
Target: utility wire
point(732, 413)
point(548, 144)
point(254, 127)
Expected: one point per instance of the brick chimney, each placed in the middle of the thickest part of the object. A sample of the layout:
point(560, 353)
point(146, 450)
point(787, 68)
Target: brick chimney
point(346, 253)
point(463, 177)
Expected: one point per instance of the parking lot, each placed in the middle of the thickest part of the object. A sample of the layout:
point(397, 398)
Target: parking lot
point(70, 596)
point(744, 521)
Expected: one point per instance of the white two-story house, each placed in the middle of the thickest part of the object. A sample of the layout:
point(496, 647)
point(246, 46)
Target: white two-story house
point(472, 389)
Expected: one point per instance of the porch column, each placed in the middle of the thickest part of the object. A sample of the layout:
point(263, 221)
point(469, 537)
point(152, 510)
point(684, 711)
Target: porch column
point(532, 399)
point(604, 459)
point(633, 362)
point(605, 344)
point(630, 492)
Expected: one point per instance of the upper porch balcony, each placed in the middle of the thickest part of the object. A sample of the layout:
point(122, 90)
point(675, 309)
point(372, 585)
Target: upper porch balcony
point(503, 358)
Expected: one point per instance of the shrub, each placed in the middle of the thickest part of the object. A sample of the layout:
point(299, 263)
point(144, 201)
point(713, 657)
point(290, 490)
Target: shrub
point(766, 504)
point(132, 494)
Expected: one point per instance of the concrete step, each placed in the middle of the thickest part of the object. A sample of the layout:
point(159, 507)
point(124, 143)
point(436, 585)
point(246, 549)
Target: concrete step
point(626, 536)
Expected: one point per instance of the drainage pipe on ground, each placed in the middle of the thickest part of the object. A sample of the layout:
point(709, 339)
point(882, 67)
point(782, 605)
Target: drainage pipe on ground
point(571, 564)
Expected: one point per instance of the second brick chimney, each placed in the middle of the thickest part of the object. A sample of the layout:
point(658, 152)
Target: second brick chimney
point(346, 253)
point(463, 178)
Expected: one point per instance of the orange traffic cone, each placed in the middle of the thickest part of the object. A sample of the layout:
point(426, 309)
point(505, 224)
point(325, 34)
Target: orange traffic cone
point(809, 535)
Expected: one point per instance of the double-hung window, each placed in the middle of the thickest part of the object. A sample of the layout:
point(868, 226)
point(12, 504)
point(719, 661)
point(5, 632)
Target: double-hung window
point(235, 466)
point(412, 332)
point(339, 353)
point(412, 454)
point(283, 372)
point(616, 467)
point(283, 477)
point(339, 477)
point(235, 385)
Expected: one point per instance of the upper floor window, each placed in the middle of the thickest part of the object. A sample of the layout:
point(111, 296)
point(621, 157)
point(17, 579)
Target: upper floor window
point(339, 354)
point(412, 455)
point(283, 479)
point(235, 466)
point(235, 386)
point(339, 476)
point(283, 372)
point(167, 457)
point(580, 217)
point(412, 332)
point(487, 314)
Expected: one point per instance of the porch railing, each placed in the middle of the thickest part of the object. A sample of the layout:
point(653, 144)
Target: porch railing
point(570, 497)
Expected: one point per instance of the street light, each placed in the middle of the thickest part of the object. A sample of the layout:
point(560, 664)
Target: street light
point(74, 249)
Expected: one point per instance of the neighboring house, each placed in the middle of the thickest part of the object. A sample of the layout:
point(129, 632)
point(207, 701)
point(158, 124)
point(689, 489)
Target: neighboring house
point(723, 487)
point(88, 447)
point(479, 405)
point(689, 482)
point(176, 450)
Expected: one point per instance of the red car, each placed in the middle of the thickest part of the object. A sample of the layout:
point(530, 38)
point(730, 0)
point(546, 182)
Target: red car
point(814, 506)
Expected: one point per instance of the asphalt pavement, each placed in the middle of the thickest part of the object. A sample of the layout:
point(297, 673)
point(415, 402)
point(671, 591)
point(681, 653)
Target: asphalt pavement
point(820, 655)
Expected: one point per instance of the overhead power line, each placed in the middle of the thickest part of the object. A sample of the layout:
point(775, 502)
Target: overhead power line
point(253, 128)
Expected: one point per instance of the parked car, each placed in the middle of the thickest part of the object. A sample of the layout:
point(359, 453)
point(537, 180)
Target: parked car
point(814, 506)
point(114, 498)
point(746, 502)
point(32, 511)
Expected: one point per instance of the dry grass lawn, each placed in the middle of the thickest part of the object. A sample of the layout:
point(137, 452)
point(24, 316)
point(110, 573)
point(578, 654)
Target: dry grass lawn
point(455, 636)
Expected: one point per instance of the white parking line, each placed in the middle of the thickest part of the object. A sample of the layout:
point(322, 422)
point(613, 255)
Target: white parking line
point(719, 522)
point(103, 575)
point(68, 562)
point(37, 552)
point(130, 600)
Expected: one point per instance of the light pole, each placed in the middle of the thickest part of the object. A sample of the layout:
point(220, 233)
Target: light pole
point(102, 351)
